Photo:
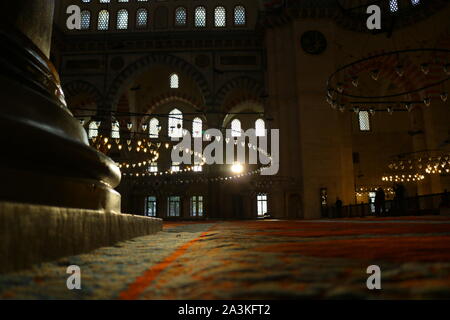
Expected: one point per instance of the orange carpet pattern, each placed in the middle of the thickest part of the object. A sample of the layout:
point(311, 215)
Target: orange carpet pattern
point(269, 259)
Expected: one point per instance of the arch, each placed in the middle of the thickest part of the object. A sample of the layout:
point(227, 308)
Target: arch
point(254, 87)
point(143, 64)
point(170, 97)
point(73, 88)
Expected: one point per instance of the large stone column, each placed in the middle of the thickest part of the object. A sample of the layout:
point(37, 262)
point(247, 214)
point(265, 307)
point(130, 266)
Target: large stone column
point(56, 195)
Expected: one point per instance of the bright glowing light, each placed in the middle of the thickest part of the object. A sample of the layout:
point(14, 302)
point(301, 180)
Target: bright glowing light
point(237, 168)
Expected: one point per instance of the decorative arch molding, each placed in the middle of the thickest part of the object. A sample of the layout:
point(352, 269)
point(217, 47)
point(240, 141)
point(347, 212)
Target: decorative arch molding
point(170, 97)
point(167, 98)
point(73, 88)
point(254, 87)
point(143, 64)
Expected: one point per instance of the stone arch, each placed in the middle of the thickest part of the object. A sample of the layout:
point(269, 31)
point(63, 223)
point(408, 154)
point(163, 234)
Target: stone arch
point(166, 98)
point(143, 64)
point(73, 88)
point(255, 88)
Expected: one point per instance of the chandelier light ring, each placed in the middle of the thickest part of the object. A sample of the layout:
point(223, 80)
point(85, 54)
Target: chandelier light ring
point(337, 89)
point(395, 95)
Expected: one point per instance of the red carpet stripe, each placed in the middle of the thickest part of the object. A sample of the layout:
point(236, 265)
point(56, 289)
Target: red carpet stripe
point(141, 283)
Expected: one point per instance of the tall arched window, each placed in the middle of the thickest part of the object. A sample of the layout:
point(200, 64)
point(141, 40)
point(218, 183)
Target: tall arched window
point(93, 130)
point(364, 121)
point(239, 16)
point(200, 17)
point(260, 128)
point(197, 127)
point(174, 81)
point(220, 17)
point(85, 20)
point(180, 16)
point(393, 5)
point(154, 128)
point(115, 130)
point(175, 124)
point(103, 20)
point(236, 130)
point(122, 19)
point(141, 18)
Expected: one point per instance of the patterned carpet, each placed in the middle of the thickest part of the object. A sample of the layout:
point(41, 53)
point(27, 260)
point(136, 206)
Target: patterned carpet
point(267, 259)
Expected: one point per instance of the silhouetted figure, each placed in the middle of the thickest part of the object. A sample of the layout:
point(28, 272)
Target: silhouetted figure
point(445, 201)
point(400, 199)
point(338, 206)
point(380, 198)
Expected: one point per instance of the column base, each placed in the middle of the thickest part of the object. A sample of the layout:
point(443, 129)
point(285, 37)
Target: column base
point(31, 234)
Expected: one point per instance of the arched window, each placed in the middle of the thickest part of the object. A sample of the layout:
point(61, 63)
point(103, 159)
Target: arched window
point(86, 1)
point(174, 81)
point(236, 130)
point(105, 1)
point(415, 2)
point(364, 121)
point(115, 130)
point(260, 128)
point(103, 20)
point(200, 17)
point(154, 128)
point(180, 16)
point(123, 0)
point(220, 17)
point(393, 5)
point(239, 16)
point(122, 19)
point(141, 18)
point(197, 127)
point(175, 124)
point(85, 20)
point(93, 130)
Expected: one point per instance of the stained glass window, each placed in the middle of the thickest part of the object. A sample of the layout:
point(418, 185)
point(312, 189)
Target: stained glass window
point(142, 18)
point(103, 20)
point(220, 17)
point(200, 17)
point(180, 16)
point(239, 16)
point(122, 19)
point(364, 121)
point(85, 19)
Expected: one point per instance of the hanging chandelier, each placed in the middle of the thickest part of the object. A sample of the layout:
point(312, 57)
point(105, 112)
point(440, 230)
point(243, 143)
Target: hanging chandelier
point(405, 79)
point(414, 166)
